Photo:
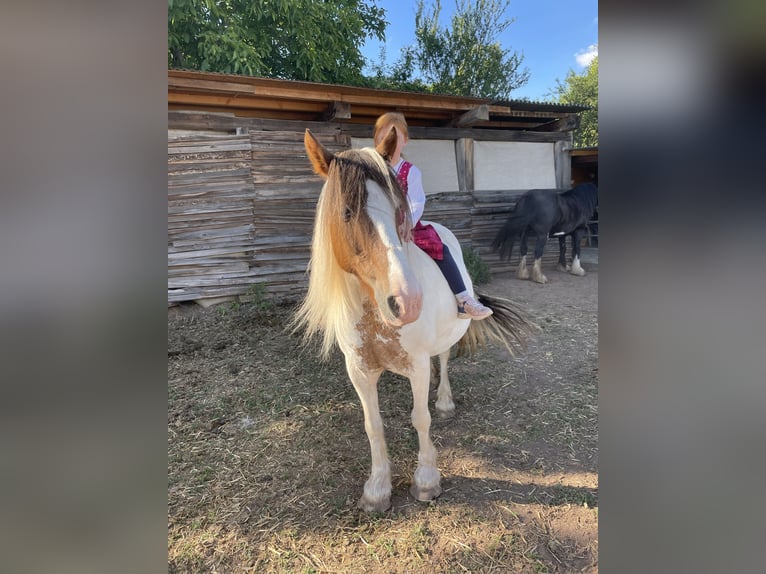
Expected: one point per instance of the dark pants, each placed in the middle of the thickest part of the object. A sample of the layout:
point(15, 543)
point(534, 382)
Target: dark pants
point(451, 272)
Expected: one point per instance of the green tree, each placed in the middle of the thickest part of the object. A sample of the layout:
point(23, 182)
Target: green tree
point(465, 59)
point(582, 89)
point(291, 39)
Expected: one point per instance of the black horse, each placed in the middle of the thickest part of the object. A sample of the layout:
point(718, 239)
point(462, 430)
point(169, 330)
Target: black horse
point(548, 213)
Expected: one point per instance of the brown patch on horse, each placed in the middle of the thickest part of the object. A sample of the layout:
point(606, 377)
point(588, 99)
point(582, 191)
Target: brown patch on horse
point(380, 348)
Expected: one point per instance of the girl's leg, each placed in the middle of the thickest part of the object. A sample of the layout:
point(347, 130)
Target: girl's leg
point(451, 272)
point(468, 307)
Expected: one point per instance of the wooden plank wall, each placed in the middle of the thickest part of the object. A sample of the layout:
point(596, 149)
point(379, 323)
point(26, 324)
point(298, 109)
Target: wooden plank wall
point(210, 215)
point(240, 212)
point(241, 203)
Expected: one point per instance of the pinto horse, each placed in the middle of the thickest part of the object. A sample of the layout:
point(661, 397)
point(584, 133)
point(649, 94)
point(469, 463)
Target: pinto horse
point(544, 213)
point(366, 294)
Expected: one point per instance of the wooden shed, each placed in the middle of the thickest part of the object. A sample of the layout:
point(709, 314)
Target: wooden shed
point(241, 193)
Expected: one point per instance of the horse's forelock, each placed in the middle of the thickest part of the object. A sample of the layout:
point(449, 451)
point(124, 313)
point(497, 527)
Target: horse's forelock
point(388, 182)
point(346, 192)
point(347, 178)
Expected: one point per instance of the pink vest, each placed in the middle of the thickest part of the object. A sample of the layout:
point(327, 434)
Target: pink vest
point(424, 236)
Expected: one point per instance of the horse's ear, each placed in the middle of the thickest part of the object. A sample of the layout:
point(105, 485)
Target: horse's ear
point(319, 155)
point(387, 147)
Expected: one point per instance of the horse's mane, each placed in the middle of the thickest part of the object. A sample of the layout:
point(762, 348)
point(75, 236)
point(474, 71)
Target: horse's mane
point(333, 297)
point(586, 195)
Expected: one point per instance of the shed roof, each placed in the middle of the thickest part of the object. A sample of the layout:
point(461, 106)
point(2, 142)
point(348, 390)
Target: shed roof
point(270, 98)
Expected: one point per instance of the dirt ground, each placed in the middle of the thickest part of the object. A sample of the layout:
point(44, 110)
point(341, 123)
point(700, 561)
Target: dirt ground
point(267, 454)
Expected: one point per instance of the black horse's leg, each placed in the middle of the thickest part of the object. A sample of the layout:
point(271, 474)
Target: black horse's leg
point(562, 266)
point(577, 236)
point(523, 272)
point(537, 268)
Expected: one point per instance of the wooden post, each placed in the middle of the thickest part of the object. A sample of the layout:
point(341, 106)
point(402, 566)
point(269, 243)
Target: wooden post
point(563, 162)
point(464, 159)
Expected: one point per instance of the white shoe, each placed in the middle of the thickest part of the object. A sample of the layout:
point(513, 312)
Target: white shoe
point(470, 308)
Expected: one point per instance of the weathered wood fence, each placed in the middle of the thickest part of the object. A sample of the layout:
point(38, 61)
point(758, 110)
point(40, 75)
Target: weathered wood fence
point(242, 195)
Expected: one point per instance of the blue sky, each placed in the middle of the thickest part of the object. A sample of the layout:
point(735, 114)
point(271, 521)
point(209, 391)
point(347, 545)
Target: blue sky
point(554, 36)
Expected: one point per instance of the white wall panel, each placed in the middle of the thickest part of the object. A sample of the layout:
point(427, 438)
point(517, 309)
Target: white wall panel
point(513, 165)
point(435, 158)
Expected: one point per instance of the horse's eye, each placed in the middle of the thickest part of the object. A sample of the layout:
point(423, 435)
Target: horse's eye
point(347, 215)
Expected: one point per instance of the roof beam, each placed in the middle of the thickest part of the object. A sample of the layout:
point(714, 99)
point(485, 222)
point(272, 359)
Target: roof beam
point(471, 117)
point(337, 111)
point(564, 124)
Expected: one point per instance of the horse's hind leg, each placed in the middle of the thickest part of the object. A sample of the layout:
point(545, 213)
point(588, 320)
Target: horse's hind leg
point(523, 272)
point(377, 489)
point(562, 266)
point(577, 236)
point(425, 484)
point(537, 268)
point(445, 408)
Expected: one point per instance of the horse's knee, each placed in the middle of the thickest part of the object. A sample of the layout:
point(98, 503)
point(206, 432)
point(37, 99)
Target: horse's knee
point(421, 419)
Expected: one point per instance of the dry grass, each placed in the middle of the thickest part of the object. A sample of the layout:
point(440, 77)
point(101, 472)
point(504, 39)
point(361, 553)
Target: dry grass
point(267, 451)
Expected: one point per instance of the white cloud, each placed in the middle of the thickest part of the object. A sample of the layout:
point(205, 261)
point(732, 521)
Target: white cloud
point(585, 57)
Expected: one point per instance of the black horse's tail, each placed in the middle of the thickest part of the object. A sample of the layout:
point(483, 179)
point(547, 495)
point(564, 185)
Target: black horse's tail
point(517, 222)
point(507, 325)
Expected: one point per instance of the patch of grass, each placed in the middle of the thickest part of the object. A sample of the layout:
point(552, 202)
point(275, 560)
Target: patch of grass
point(419, 539)
point(478, 269)
point(257, 299)
point(573, 495)
point(205, 474)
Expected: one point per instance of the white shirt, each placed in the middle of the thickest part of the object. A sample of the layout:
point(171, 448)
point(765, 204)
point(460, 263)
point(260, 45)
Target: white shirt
point(415, 193)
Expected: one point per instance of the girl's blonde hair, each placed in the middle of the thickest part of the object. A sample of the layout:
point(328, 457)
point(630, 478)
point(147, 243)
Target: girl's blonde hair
point(384, 123)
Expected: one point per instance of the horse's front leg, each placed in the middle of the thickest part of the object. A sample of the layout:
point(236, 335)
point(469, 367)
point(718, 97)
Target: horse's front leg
point(425, 485)
point(577, 236)
point(445, 407)
point(377, 489)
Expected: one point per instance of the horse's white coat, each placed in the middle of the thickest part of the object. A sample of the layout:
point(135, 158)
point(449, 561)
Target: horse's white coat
point(374, 339)
point(434, 332)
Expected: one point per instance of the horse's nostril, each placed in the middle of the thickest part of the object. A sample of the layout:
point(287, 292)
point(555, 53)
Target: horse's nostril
point(394, 306)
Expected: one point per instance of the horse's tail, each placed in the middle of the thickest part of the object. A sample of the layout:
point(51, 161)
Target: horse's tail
point(507, 325)
point(517, 222)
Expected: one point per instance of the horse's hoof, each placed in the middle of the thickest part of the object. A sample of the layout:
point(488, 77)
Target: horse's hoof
point(579, 271)
point(541, 279)
point(425, 494)
point(523, 275)
point(445, 413)
point(369, 506)
point(563, 268)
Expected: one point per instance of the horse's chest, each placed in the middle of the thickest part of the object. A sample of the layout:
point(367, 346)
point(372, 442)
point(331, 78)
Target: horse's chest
point(379, 345)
